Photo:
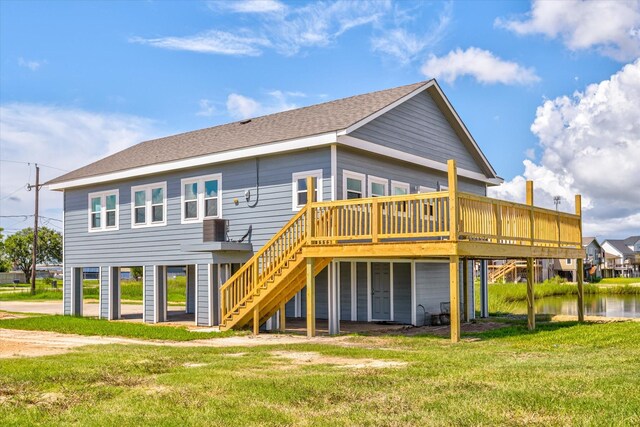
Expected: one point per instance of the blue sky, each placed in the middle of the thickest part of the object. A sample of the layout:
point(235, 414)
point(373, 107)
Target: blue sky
point(95, 77)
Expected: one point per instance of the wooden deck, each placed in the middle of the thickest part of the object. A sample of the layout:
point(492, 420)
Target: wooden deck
point(447, 224)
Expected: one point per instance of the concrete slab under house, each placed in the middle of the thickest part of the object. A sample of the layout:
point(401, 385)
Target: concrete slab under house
point(371, 208)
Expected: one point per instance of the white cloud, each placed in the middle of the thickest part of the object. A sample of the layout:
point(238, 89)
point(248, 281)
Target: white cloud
point(243, 107)
point(611, 27)
point(480, 64)
point(590, 145)
point(405, 46)
point(218, 42)
point(64, 138)
point(30, 64)
point(287, 30)
point(249, 6)
point(207, 109)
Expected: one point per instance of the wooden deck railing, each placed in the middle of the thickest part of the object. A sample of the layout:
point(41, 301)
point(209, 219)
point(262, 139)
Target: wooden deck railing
point(427, 216)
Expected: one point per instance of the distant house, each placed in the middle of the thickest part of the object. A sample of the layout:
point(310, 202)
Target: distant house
point(622, 257)
point(594, 257)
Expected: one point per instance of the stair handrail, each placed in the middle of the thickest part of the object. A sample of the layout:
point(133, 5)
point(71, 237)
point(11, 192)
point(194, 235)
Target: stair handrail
point(252, 263)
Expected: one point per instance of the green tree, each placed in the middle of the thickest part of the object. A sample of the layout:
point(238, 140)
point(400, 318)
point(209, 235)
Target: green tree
point(19, 246)
point(136, 273)
point(5, 264)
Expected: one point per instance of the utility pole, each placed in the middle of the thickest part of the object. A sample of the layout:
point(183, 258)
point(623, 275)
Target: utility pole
point(35, 230)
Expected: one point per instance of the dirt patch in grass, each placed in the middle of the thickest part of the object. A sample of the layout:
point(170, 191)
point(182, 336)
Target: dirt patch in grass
point(305, 358)
point(5, 315)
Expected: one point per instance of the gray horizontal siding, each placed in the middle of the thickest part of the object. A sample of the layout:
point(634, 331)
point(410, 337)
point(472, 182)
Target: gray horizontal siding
point(417, 126)
point(344, 270)
point(432, 286)
point(202, 291)
point(104, 292)
point(149, 297)
point(362, 273)
point(162, 245)
point(402, 292)
point(382, 167)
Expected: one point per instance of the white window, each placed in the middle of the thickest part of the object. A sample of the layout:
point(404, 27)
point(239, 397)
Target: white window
point(149, 205)
point(352, 185)
point(423, 189)
point(569, 261)
point(399, 188)
point(378, 187)
point(104, 211)
point(201, 197)
point(299, 186)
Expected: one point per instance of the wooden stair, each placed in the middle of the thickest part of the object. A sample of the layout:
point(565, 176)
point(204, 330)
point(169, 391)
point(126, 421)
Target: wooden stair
point(271, 277)
point(500, 271)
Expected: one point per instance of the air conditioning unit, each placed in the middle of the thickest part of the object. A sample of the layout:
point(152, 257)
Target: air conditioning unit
point(215, 230)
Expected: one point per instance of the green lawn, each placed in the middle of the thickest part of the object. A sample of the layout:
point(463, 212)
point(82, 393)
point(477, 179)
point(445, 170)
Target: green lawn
point(92, 326)
point(621, 281)
point(130, 290)
point(562, 374)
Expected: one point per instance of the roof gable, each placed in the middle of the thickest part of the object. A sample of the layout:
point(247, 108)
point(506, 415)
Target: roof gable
point(173, 152)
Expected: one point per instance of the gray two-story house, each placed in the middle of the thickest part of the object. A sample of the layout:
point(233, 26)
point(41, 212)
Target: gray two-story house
point(155, 204)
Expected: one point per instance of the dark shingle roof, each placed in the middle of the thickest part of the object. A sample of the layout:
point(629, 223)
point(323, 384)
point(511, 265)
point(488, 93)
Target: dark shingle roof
point(631, 240)
point(620, 246)
point(292, 124)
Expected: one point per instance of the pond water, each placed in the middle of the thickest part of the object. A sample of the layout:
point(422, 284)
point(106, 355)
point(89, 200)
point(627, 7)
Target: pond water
point(594, 305)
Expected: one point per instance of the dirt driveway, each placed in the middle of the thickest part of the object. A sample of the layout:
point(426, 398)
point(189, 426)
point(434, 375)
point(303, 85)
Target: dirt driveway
point(16, 343)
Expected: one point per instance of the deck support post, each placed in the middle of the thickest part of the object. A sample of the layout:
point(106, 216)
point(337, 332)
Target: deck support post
point(531, 308)
point(580, 274)
point(531, 213)
point(333, 303)
point(256, 320)
point(453, 200)
point(465, 290)
point(484, 289)
point(580, 265)
point(454, 297)
point(311, 299)
point(282, 324)
point(310, 223)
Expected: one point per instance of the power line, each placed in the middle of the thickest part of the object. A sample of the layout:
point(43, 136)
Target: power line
point(29, 163)
point(29, 216)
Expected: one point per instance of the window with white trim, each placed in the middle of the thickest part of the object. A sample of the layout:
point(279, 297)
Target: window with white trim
point(149, 205)
point(352, 185)
point(299, 187)
point(399, 188)
point(378, 187)
point(201, 198)
point(104, 211)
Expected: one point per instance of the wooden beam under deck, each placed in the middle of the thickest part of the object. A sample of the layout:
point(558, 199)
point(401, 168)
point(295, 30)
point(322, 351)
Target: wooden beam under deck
point(438, 248)
point(503, 251)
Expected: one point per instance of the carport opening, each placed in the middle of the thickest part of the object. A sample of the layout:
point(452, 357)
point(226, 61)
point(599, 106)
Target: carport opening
point(90, 291)
point(131, 293)
point(180, 293)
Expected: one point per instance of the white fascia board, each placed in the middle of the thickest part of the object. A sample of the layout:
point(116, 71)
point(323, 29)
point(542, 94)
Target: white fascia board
point(260, 150)
point(350, 141)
